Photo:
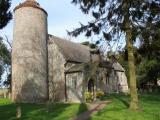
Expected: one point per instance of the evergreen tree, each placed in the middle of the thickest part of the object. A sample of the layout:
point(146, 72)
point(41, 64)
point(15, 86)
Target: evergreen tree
point(5, 57)
point(5, 63)
point(5, 13)
point(149, 69)
point(113, 17)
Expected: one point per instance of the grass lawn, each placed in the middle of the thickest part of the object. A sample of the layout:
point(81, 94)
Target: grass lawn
point(118, 109)
point(39, 112)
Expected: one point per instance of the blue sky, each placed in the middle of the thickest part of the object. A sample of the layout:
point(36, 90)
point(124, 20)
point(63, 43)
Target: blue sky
point(62, 16)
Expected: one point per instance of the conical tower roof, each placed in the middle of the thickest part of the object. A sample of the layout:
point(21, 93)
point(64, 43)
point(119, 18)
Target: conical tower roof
point(30, 3)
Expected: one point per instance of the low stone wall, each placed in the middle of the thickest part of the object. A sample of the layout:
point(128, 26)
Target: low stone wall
point(4, 93)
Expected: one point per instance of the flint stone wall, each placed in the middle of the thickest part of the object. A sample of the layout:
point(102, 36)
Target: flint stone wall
point(123, 84)
point(116, 82)
point(74, 86)
point(29, 56)
point(56, 73)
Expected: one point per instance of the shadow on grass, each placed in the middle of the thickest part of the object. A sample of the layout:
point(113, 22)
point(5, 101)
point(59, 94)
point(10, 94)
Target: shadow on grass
point(82, 108)
point(7, 111)
point(113, 108)
point(154, 97)
point(125, 102)
point(39, 112)
point(149, 102)
point(120, 97)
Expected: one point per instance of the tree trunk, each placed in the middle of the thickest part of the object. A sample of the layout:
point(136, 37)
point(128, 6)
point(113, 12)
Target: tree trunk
point(132, 74)
point(131, 65)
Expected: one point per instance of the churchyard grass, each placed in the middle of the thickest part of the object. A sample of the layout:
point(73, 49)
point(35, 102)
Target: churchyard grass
point(118, 109)
point(60, 111)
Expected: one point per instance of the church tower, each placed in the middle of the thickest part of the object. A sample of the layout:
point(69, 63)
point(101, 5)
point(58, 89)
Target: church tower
point(29, 53)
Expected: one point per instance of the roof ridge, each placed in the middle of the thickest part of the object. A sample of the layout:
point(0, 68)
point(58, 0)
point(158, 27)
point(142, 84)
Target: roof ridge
point(66, 40)
point(72, 51)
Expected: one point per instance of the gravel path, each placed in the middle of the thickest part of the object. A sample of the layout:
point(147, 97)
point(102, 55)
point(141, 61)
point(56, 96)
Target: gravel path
point(93, 108)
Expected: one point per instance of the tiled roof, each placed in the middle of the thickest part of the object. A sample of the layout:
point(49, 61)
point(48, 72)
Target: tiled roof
point(30, 3)
point(75, 52)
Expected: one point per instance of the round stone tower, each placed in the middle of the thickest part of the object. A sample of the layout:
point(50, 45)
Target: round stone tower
point(29, 53)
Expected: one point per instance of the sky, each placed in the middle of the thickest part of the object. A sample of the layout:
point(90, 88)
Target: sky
point(62, 16)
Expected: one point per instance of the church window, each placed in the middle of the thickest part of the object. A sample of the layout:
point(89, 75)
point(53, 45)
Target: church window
point(74, 82)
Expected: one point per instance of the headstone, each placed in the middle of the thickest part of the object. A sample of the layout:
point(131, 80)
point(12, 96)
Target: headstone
point(18, 112)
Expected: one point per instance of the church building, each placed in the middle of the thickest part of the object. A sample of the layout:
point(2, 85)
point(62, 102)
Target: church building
point(46, 67)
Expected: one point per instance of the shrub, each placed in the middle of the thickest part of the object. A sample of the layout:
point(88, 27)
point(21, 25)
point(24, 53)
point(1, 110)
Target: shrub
point(88, 96)
point(99, 94)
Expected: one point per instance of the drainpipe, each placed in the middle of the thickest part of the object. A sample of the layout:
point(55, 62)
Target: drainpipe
point(66, 99)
